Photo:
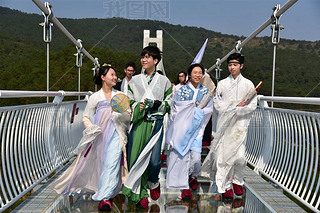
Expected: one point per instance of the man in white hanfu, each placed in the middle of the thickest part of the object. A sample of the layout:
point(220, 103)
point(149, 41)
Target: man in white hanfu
point(225, 162)
point(189, 117)
point(150, 94)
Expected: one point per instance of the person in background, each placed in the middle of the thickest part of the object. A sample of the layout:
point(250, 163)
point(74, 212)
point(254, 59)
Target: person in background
point(181, 81)
point(129, 70)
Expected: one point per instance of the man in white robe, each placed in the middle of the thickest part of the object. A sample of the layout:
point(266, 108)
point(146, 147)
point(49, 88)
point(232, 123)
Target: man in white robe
point(225, 162)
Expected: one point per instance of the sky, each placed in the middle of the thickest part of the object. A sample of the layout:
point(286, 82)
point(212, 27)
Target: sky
point(237, 17)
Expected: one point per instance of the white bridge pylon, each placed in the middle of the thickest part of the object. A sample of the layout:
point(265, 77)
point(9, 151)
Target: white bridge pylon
point(158, 41)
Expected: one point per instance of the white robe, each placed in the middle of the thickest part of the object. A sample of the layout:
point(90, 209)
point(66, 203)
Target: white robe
point(185, 134)
point(226, 159)
point(124, 86)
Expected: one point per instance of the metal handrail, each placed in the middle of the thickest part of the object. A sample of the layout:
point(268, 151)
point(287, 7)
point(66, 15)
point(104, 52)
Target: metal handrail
point(64, 30)
point(269, 21)
point(22, 94)
point(293, 100)
point(283, 145)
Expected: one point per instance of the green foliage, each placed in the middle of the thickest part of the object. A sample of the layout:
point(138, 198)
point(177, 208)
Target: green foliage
point(118, 40)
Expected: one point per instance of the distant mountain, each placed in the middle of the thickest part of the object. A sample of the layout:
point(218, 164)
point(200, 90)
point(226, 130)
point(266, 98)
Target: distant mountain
point(118, 40)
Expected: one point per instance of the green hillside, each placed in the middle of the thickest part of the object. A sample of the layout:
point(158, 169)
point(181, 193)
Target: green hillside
point(118, 40)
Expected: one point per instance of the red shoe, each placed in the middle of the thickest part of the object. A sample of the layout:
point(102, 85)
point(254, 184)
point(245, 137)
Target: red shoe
point(155, 193)
point(238, 189)
point(143, 203)
point(154, 208)
point(228, 194)
point(163, 157)
point(205, 143)
point(193, 182)
point(105, 206)
point(237, 203)
point(186, 195)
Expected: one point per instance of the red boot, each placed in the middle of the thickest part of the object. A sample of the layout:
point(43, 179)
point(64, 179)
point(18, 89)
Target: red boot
point(193, 182)
point(155, 193)
point(228, 195)
point(186, 195)
point(143, 203)
point(238, 189)
point(105, 206)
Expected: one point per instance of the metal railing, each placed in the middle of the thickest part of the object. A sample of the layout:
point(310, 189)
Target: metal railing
point(35, 140)
point(283, 145)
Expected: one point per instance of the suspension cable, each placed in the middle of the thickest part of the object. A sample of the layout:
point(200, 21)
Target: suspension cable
point(63, 29)
point(269, 21)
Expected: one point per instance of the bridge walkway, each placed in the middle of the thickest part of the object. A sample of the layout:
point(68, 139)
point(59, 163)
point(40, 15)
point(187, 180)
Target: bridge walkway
point(260, 196)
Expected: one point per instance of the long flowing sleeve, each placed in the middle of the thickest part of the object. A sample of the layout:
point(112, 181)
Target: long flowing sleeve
point(249, 108)
point(89, 111)
point(209, 108)
point(167, 101)
point(135, 106)
point(219, 104)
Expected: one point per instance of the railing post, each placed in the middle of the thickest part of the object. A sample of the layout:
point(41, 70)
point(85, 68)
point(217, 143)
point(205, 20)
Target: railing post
point(87, 96)
point(58, 99)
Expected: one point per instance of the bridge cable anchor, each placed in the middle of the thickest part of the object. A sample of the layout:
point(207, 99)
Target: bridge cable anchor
point(79, 54)
point(238, 49)
point(47, 24)
point(95, 69)
point(96, 65)
point(218, 70)
point(275, 26)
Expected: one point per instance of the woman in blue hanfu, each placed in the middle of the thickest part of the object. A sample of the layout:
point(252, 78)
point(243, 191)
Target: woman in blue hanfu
point(190, 113)
point(100, 168)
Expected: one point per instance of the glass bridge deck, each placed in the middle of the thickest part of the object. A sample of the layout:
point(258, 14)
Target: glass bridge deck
point(204, 199)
